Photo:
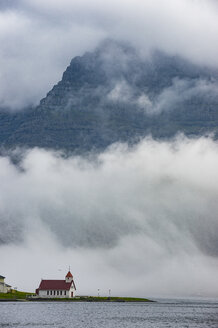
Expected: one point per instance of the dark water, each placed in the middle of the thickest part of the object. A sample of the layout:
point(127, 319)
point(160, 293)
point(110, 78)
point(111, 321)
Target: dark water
point(111, 315)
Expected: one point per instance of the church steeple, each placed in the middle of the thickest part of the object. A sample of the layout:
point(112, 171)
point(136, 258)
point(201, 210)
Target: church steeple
point(69, 277)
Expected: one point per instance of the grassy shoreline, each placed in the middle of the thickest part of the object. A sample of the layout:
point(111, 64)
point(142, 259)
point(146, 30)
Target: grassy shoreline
point(14, 295)
point(23, 296)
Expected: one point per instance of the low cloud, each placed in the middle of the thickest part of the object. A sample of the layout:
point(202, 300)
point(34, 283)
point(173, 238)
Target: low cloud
point(182, 91)
point(123, 93)
point(170, 98)
point(140, 220)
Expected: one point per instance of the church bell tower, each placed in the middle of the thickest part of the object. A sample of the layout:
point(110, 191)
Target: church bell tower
point(69, 277)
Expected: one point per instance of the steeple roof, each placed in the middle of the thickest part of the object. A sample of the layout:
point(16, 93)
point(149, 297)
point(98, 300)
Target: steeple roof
point(69, 275)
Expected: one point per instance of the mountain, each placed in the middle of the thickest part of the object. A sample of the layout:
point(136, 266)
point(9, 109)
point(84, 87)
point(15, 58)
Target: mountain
point(115, 94)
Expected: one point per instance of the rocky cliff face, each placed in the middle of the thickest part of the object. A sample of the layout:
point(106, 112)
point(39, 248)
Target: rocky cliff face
point(114, 94)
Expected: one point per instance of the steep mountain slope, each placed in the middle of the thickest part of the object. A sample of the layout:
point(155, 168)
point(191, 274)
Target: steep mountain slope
point(112, 95)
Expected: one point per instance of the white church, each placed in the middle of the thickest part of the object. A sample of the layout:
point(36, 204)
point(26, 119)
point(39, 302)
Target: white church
point(57, 288)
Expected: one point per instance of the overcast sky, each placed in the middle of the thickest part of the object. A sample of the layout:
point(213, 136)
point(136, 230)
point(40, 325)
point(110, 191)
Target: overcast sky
point(39, 38)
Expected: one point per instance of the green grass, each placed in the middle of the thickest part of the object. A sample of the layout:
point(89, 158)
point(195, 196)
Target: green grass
point(112, 299)
point(14, 295)
point(95, 299)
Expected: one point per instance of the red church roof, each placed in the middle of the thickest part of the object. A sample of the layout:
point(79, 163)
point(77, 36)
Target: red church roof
point(69, 275)
point(55, 285)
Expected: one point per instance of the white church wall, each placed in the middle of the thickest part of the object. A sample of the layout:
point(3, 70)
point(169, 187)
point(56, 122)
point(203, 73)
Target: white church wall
point(54, 293)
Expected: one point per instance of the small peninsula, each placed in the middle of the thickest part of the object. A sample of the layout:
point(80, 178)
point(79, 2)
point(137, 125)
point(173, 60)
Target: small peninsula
point(16, 296)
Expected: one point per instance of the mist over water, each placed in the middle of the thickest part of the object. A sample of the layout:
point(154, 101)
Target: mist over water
point(137, 220)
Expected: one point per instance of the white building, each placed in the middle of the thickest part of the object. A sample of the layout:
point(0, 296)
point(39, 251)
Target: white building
point(57, 288)
point(4, 288)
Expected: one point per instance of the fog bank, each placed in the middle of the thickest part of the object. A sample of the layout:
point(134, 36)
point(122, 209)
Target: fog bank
point(140, 220)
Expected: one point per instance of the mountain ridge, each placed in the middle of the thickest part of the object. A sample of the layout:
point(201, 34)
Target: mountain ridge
point(113, 95)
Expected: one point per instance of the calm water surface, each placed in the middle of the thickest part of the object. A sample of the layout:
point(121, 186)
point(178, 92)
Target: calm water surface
point(111, 315)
